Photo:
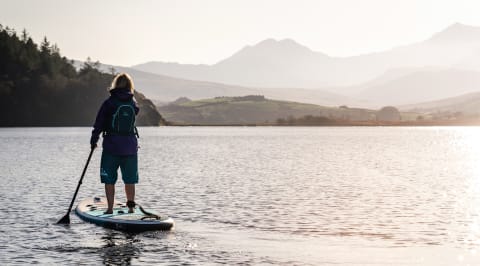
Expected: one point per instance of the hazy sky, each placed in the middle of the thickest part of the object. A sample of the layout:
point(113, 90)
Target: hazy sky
point(126, 32)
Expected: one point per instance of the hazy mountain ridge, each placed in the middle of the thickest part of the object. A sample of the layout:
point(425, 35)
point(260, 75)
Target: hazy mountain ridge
point(468, 104)
point(395, 87)
point(286, 63)
point(440, 67)
point(457, 32)
point(269, 59)
point(161, 88)
point(422, 85)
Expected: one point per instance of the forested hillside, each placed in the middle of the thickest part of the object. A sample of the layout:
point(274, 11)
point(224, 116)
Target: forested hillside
point(40, 87)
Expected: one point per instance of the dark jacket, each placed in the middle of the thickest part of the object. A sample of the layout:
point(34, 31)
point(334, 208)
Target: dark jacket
point(114, 144)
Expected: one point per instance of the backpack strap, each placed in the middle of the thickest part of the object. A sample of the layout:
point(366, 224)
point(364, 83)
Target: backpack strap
point(136, 132)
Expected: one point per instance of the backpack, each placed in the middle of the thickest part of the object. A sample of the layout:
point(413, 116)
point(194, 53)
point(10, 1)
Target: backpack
point(123, 119)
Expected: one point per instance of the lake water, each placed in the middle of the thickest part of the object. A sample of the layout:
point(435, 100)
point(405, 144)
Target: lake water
point(253, 195)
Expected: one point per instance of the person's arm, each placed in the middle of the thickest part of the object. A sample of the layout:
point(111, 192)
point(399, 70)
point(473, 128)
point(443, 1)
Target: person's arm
point(99, 125)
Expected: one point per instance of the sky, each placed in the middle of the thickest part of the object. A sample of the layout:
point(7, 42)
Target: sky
point(129, 32)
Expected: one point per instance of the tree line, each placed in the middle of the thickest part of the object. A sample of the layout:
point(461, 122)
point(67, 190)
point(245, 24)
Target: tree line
point(307, 120)
point(40, 87)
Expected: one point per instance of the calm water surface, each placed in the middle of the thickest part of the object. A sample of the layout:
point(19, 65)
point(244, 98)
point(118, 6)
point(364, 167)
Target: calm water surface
point(253, 195)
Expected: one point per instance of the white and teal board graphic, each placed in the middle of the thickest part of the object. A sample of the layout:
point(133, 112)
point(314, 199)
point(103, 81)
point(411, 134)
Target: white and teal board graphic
point(92, 210)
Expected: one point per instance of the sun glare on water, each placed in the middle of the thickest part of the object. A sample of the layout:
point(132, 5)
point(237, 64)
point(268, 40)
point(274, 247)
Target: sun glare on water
point(466, 144)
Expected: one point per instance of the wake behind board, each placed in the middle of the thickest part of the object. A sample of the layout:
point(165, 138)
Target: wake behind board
point(92, 210)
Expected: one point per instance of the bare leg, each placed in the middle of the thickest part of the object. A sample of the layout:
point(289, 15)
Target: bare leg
point(110, 191)
point(130, 191)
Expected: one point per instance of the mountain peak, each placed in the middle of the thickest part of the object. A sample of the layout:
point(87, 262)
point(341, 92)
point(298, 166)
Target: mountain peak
point(458, 32)
point(280, 44)
point(273, 49)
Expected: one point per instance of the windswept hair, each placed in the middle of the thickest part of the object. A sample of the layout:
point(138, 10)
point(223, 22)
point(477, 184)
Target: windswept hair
point(122, 81)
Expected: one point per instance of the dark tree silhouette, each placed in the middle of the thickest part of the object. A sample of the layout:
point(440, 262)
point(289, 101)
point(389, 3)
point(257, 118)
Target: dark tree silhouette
point(39, 87)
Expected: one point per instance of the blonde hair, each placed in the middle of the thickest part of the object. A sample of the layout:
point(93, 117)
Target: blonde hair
point(123, 81)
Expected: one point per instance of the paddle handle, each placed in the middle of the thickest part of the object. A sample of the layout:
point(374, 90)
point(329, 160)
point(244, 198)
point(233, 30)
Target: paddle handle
point(80, 181)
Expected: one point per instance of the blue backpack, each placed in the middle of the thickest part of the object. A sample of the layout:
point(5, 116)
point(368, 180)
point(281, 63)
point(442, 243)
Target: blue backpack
point(123, 119)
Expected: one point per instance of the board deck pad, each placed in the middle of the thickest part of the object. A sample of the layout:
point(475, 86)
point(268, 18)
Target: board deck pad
point(93, 210)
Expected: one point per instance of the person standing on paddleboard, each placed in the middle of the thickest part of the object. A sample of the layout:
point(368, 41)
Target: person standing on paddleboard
point(116, 120)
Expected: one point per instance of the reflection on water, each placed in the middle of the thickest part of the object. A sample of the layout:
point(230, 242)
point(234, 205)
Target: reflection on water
point(119, 248)
point(291, 196)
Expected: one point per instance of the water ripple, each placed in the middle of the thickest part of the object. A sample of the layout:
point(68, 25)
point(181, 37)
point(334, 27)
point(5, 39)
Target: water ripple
point(277, 196)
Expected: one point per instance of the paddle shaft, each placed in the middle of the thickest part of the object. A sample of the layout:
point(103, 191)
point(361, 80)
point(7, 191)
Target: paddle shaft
point(80, 182)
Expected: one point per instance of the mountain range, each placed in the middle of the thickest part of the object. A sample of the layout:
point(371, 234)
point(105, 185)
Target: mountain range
point(162, 89)
point(467, 104)
point(286, 63)
point(444, 65)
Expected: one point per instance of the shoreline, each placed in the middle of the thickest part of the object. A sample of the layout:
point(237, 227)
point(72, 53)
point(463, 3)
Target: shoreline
point(429, 123)
point(426, 123)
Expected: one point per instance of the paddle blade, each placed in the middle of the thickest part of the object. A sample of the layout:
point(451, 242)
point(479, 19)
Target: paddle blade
point(65, 219)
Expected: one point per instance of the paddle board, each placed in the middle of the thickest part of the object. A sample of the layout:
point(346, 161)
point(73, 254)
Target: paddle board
point(92, 210)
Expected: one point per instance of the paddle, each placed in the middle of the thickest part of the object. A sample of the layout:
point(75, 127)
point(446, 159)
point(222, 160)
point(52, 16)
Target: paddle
point(66, 218)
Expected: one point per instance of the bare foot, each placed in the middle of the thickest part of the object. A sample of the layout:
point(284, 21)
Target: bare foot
point(108, 212)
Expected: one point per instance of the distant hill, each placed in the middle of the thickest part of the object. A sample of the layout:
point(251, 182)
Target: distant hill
point(419, 85)
point(161, 89)
point(254, 109)
point(395, 87)
point(467, 104)
point(39, 87)
point(285, 63)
